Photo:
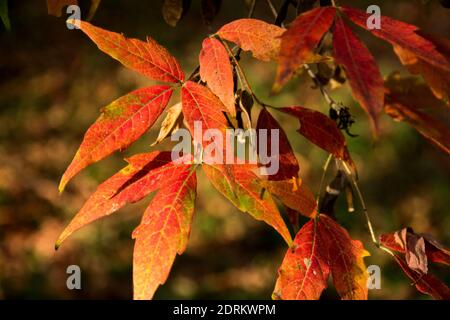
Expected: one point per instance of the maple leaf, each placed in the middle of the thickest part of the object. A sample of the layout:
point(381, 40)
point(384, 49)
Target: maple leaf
point(217, 72)
point(362, 70)
point(163, 232)
point(122, 122)
point(145, 173)
point(322, 247)
point(425, 283)
point(199, 103)
point(239, 184)
point(300, 40)
point(260, 37)
point(320, 130)
point(288, 163)
point(402, 34)
point(148, 58)
point(404, 241)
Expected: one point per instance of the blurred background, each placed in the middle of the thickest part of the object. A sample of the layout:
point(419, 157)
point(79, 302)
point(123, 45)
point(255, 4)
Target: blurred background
point(53, 82)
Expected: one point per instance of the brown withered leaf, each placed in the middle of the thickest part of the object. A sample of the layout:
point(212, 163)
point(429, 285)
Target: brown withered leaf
point(171, 123)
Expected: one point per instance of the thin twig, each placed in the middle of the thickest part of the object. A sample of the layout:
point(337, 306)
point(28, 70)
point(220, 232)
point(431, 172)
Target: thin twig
point(322, 180)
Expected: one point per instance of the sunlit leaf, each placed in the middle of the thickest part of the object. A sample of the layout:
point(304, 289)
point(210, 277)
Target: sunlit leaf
point(300, 40)
point(163, 232)
point(148, 58)
point(121, 123)
point(260, 37)
point(216, 71)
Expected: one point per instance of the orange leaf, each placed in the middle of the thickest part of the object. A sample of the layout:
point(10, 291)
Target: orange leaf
point(163, 232)
point(320, 130)
point(121, 123)
point(288, 164)
point(300, 40)
point(303, 275)
point(216, 71)
point(437, 79)
point(260, 37)
point(293, 195)
point(425, 283)
point(200, 104)
point(361, 69)
point(148, 58)
point(401, 34)
point(346, 260)
point(323, 246)
point(244, 189)
point(145, 173)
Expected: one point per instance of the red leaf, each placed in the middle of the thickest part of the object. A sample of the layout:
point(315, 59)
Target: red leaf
point(163, 232)
point(323, 246)
point(430, 128)
point(121, 123)
point(260, 37)
point(399, 241)
point(303, 275)
point(320, 130)
point(148, 58)
point(145, 173)
point(401, 34)
point(217, 72)
point(300, 40)
point(361, 69)
point(288, 163)
point(244, 189)
point(200, 104)
point(425, 283)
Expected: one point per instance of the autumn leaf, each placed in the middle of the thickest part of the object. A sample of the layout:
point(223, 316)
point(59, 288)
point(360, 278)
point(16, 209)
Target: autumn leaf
point(201, 104)
point(121, 123)
point(323, 247)
point(402, 34)
point(402, 106)
point(148, 58)
point(300, 40)
point(239, 184)
point(288, 164)
point(217, 72)
point(294, 195)
point(403, 241)
point(170, 123)
point(361, 69)
point(425, 283)
point(145, 173)
point(437, 79)
point(260, 37)
point(320, 130)
point(163, 232)
point(305, 269)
